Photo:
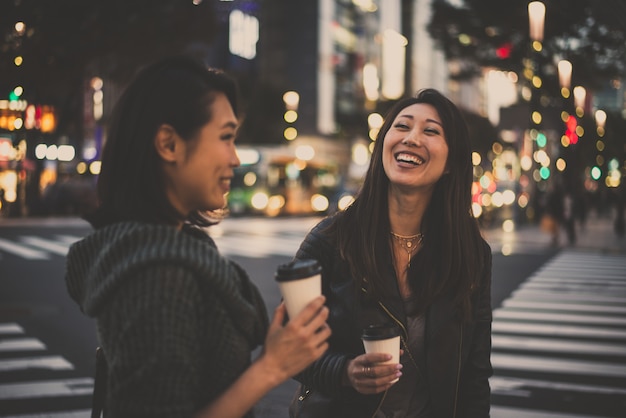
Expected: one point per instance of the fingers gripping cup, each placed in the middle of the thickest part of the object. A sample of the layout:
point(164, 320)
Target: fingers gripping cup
point(383, 339)
point(300, 281)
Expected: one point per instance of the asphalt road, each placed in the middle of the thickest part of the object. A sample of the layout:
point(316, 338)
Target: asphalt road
point(46, 344)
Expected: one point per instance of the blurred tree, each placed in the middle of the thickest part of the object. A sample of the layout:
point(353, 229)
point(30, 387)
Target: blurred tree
point(481, 131)
point(63, 37)
point(591, 34)
point(263, 123)
point(494, 33)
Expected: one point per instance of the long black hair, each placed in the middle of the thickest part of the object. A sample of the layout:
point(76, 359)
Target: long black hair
point(177, 91)
point(453, 254)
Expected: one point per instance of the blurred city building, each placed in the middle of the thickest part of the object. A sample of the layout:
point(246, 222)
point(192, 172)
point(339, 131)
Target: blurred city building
point(316, 78)
point(327, 72)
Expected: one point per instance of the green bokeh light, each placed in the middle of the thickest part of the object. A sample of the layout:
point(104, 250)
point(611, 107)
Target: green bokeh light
point(541, 140)
point(596, 173)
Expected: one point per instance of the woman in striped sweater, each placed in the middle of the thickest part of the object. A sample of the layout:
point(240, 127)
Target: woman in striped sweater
point(176, 320)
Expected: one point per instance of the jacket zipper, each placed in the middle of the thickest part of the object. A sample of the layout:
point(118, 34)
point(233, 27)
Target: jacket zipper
point(396, 320)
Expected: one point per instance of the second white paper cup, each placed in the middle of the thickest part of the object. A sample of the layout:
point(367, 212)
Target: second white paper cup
point(389, 346)
point(383, 339)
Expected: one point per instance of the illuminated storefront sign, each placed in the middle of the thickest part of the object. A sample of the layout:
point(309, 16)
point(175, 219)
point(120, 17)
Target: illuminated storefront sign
point(15, 115)
point(243, 34)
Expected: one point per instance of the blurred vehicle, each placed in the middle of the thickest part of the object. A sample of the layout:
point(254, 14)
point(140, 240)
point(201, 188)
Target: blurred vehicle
point(69, 196)
point(274, 181)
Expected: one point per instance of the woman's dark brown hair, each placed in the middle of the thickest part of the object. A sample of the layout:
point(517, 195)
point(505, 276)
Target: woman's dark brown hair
point(177, 91)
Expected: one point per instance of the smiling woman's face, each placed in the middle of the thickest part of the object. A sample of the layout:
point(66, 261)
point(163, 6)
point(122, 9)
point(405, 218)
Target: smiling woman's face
point(415, 150)
point(201, 177)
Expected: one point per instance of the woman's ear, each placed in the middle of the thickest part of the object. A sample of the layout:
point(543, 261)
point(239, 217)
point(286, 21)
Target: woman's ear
point(166, 143)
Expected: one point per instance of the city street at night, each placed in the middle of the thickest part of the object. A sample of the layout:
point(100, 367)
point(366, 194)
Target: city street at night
point(424, 115)
point(559, 330)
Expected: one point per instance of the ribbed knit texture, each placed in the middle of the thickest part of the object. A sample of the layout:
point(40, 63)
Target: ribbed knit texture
point(177, 321)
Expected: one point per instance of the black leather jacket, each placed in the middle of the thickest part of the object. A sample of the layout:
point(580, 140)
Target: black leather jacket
point(458, 363)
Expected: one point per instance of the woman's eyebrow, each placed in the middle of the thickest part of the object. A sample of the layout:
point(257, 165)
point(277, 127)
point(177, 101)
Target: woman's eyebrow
point(232, 125)
point(434, 121)
point(427, 120)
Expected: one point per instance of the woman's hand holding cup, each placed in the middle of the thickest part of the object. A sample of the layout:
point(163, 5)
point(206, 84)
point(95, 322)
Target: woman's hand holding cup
point(291, 347)
point(372, 373)
point(379, 368)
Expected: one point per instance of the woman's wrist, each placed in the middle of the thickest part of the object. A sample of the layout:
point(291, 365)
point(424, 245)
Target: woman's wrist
point(272, 372)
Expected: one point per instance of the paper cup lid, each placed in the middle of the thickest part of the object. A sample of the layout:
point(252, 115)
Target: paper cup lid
point(297, 269)
point(380, 332)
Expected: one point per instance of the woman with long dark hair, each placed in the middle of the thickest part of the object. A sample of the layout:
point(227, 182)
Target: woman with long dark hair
point(409, 252)
point(177, 322)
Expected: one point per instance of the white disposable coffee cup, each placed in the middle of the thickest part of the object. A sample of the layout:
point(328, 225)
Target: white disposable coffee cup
point(383, 339)
point(300, 281)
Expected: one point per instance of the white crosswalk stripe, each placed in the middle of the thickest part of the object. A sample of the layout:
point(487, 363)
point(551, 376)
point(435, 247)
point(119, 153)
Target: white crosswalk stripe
point(22, 251)
point(562, 337)
point(258, 247)
point(27, 374)
point(66, 387)
point(21, 344)
point(85, 413)
point(38, 248)
point(53, 246)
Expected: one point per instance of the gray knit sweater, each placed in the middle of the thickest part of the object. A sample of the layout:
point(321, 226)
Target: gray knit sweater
point(177, 322)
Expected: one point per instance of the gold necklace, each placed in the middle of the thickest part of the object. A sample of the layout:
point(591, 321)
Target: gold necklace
point(408, 243)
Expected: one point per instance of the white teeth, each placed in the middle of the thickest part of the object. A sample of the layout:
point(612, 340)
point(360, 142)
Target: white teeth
point(409, 158)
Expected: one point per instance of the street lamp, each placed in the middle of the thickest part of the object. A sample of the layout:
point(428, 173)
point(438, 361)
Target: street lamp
point(536, 21)
point(565, 77)
point(564, 68)
point(579, 100)
point(600, 117)
point(292, 100)
point(536, 16)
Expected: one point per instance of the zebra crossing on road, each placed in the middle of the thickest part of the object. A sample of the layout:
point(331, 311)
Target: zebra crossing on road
point(34, 381)
point(560, 341)
point(33, 247)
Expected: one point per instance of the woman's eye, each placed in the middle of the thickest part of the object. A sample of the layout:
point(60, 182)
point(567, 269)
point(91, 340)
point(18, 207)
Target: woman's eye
point(431, 131)
point(401, 126)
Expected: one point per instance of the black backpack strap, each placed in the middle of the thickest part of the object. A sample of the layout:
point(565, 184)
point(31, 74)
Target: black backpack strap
point(99, 387)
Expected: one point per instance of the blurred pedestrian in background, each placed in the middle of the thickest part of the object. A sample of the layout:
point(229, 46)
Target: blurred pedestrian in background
point(581, 209)
point(177, 321)
point(569, 217)
point(619, 225)
point(553, 217)
point(409, 252)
